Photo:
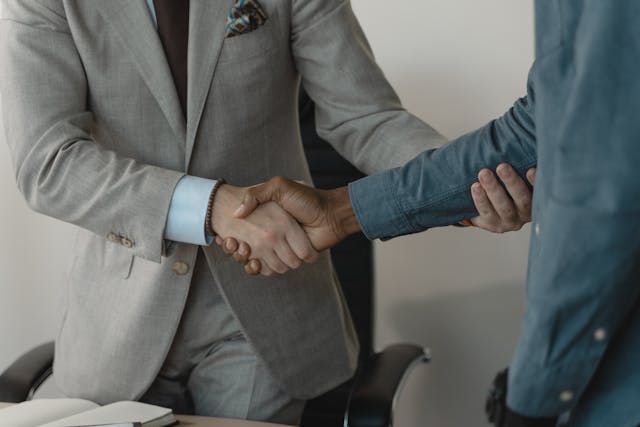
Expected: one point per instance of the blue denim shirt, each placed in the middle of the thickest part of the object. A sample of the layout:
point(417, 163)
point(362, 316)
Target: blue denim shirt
point(579, 350)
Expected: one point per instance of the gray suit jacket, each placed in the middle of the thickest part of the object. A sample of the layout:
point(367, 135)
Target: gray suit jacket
point(98, 140)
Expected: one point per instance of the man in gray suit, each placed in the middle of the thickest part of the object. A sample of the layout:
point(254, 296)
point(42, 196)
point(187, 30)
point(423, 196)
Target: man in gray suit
point(122, 118)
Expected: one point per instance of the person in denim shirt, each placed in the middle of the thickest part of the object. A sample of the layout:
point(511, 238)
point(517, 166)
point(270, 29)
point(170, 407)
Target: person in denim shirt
point(576, 360)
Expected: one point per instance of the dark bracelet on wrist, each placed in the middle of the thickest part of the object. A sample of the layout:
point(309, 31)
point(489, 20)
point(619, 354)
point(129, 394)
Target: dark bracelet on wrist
point(208, 227)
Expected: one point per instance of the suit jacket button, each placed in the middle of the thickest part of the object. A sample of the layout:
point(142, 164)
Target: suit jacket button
point(180, 268)
point(126, 242)
point(113, 237)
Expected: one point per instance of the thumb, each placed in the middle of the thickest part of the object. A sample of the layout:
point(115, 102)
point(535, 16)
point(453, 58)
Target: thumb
point(253, 197)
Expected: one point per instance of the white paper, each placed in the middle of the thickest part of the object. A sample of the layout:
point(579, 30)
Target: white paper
point(120, 412)
point(34, 413)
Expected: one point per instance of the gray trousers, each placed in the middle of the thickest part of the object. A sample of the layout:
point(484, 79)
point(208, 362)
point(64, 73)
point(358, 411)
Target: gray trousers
point(212, 370)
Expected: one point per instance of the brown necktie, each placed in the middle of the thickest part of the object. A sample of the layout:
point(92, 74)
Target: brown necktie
point(173, 28)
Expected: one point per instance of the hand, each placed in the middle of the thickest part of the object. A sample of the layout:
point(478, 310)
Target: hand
point(500, 415)
point(326, 215)
point(275, 238)
point(500, 210)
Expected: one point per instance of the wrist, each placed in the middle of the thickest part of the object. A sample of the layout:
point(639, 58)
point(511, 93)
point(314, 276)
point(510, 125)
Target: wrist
point(223, 200)
point(208, 226)
point(340, 210)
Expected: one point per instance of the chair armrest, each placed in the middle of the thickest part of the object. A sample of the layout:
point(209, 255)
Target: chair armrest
point(379, 383)
point(19, 381)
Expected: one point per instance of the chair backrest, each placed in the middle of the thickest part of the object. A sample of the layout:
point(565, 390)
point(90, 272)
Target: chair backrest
point(353, 258)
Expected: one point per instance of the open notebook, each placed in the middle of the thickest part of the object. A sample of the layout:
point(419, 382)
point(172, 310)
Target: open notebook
point(78, 412)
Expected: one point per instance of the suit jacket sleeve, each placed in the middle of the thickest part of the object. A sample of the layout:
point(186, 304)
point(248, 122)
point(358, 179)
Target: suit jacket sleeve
point(433, 189)
point(357, 111)
point(61, 169)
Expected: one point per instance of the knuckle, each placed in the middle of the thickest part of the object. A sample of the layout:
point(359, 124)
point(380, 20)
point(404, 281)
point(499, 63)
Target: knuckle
point(509, 213)
point(488, 216)
point(511, 226)
point(526, 205)
point(312, 257)
point(250, 193)
point(261, 247)
point(306, 254)
point(278, 180)
point(257, 245)
point(271, 237)
point(500, 230)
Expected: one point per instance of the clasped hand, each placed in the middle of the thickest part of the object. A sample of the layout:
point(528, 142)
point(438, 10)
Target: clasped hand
point(274, 237)
point(281, 224)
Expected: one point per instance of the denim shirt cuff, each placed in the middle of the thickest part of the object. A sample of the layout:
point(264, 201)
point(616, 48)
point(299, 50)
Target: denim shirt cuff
point(376, 208)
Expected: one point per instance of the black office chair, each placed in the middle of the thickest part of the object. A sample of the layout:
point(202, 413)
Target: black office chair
point(366, 400)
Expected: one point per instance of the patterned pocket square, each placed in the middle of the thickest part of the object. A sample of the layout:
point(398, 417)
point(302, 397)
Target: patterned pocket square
point(244, 17)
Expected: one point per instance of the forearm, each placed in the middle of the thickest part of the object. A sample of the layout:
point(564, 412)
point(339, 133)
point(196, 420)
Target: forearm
point(62, 168)
point(434, 188)
point(82, 183)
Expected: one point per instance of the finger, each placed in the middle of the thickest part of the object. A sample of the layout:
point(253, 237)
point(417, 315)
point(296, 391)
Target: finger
point(286, 254)
point(248, 205)
point(482, 203)
point(242, 254)
point(531, 175)
point(258, 194)
point(301, 245)
point(230, 245)
point(219, 241)
point(501, 201)
point(273, 261)
point(253, 267)
point(517, 189)
point(265, 270)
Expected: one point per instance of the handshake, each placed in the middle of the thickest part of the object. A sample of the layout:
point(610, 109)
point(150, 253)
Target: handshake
point(281, 224)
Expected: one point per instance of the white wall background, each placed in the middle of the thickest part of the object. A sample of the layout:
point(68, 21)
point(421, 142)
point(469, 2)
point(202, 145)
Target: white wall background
point(456, 64)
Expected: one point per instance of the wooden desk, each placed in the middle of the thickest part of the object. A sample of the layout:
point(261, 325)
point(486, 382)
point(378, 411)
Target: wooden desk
point(191, 421)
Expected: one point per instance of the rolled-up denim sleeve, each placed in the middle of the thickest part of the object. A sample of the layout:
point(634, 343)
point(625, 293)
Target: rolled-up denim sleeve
point(188, 211)
point(434, 189)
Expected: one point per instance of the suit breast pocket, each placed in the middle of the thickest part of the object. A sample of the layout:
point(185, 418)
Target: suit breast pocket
point(256, 43)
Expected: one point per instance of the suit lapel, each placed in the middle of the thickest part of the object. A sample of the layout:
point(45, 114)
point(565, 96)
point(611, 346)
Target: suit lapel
point(132, 21)
point(207, 21)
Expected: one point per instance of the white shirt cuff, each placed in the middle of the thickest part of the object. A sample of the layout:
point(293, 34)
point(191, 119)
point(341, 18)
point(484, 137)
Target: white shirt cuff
point(188, 211)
